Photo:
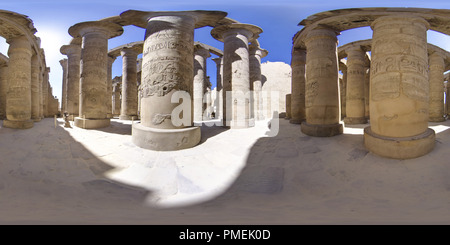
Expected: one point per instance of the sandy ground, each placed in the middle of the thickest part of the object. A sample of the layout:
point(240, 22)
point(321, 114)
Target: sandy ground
point(63, 175)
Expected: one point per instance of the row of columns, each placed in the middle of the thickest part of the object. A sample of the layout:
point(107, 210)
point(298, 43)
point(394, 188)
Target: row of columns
point(400, 104)
point(25, 92)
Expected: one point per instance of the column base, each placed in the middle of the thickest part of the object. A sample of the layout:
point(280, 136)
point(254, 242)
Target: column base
point(128, 117)
point(399, 148)
point(91, 123)
point(355, 120)
point(327, 130)
point(436, 119)
point(296, 121)
point(18, 124)
point(165, 139)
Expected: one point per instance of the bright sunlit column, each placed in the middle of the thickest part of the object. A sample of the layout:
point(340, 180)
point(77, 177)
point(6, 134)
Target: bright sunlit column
point(322, 100)
point(201, 55)
point(219, 96)
point(63, 63)
point(436, 76)
point(94, 75)
point(256, 54)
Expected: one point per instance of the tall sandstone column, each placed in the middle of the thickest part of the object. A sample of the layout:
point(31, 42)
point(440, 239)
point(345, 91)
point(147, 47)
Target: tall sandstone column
point(35, 89)
point(236, 74)
point(45, 85)
point(399, 89)
point(343, 89)
point(167, 77)
point(94, 63)
point(73, 53)
point(367, 90)
point(436, 78)
point(219, 95)
point(355, 106)
point(3, 85)
point(63, 63)
point(18, 98)
point(256, 54)
point(109, 113)
point(201, 55)
point(322, 103)
point(116, 99)
point(129, 109)
point(298, 65)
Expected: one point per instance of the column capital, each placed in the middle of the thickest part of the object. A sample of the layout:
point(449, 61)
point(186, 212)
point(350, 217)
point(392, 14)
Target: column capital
point(109, 29)
point(70, 49)
point(254, 49)
point(399, 18)
point(63, 63)
point(250, 31)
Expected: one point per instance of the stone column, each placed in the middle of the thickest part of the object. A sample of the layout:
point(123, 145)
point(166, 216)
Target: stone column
point(322, 100)
point(3, 85)
point(63, 63)
point(256, 54)
point(35, 89)
point(109, 113)
point(129, 109)
point(219, 96)
point(288, 106)
point(436, 78)
point(73, 53)
point(236, 74)
point(116, 99)
point(399, 89)
point(167, 75)
point(18, 99)
point(355, 106)
point(343, 89)
point(94, 64)
point(200, 57)
point(367, 91)
point(298, 62)
point(45, 92)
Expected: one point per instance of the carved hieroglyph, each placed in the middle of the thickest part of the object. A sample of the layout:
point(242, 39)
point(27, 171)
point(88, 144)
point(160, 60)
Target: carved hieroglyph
point(298, 63)
point(399, 76)
point(436, 98)
point(236, 73)
point(355, 106)
point(129, 107)
point(94, 63)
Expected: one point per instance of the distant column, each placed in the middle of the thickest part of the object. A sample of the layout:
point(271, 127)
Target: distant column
point(200, 57)
point(256, 54)
point(298, 62)
point(45, 88)
point(73, 53)
point(18, 99)
point(367, 90)
point(436, 78)
point(236, 74)
point(63, 63)
point(343, 90)
point(322, 101)
point(116, 99)
point(288, 106)
point(129, 109)
point(109, 113)
point(35, 89)
point(355, 106)
point(93, 83)
point(219, 95)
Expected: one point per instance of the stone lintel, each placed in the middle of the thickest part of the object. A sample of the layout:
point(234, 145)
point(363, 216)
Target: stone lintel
point(217, 32)
point(112, 29)
point(204, 17)
point(138, 46)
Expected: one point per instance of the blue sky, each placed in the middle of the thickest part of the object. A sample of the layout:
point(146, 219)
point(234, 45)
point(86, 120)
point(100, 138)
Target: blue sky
point(278, 19)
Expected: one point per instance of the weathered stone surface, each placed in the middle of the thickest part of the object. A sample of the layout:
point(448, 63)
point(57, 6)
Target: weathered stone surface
point(436, 96)
point(355, 106)
point(298, 63)
point(256, 54)
point(73, 53)
point(3, 84)
point(129, 109)
point(201, 54)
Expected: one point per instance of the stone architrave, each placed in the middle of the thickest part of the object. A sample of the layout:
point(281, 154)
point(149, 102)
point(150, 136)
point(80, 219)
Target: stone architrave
point(298, 62)
point(167, 75)
point(3, 85)
point(236, 72)
point(35, 89)
point(94, 63)
point(18, 98)
point(201, 55)
point(129, 108)
point(219, 96)
point(63, 63)
point(73, 53)
point(355, 106)
point(436, 77)
point(399, 89)
point(322, 100)
point(256, 54)
point(116, 99)
point(288, 106)
point(109, 113)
